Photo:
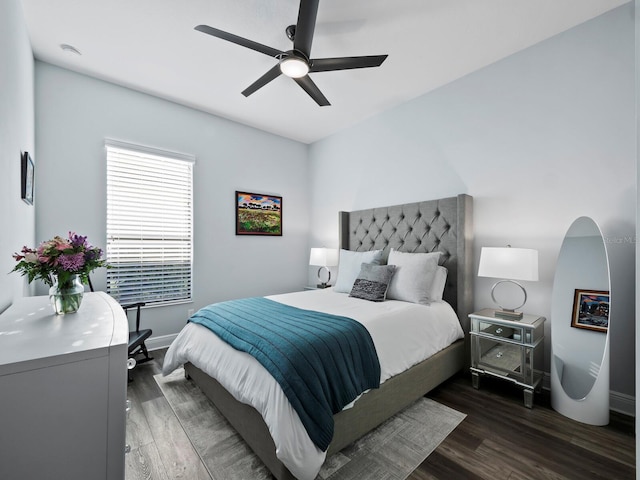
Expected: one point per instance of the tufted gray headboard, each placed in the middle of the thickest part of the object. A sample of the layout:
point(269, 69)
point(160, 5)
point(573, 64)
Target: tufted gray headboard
point(443, 225)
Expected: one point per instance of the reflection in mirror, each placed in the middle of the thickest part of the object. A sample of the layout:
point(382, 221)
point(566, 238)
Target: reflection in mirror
point(579, 327)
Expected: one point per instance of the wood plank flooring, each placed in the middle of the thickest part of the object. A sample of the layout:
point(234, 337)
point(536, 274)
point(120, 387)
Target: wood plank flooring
point(499, 440)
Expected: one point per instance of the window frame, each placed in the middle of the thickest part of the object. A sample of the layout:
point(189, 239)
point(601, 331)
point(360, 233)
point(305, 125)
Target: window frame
point(163, 157)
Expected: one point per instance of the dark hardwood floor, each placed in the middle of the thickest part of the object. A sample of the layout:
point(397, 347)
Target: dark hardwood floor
point(499, 440)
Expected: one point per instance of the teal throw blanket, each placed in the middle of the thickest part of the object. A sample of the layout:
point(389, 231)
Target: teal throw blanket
point(321, 361)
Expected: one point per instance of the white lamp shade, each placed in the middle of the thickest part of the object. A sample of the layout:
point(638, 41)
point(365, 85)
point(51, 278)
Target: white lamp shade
point(323, 257)
point(509, 263)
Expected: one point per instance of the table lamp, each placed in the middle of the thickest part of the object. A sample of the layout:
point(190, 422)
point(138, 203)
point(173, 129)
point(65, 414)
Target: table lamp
point(323, 258)
point(509, 264)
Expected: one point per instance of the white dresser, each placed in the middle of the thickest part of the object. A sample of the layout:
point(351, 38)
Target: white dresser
point(63, 386)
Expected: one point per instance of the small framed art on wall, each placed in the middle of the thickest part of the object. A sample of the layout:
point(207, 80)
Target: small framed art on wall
point(258, 214)
point(26, 178)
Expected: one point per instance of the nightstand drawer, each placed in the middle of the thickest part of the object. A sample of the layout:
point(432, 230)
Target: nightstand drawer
point(493, 330)
point(523, 332)
point(503, 358)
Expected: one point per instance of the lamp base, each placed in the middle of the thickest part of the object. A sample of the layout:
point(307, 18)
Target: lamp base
point(322, 284)
point(508, 314)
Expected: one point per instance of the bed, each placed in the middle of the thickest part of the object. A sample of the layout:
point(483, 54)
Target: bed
point(443, 225)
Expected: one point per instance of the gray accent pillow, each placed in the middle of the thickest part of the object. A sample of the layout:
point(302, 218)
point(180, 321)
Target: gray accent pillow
point(372, 282)
point(414, 276)
point(349, 267)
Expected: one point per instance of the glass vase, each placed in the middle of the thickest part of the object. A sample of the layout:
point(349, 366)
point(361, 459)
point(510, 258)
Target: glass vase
point(66, 294)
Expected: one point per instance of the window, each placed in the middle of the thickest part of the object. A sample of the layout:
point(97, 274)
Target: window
point(149, 224)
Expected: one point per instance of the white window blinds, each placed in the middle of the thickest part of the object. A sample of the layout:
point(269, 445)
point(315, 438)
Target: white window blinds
point(149, 224)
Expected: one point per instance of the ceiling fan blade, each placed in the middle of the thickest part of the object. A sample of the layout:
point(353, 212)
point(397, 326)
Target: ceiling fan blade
point(230, 37)
point(312, 89)
point(262, 81)
point(346, 63)
point(305, 26)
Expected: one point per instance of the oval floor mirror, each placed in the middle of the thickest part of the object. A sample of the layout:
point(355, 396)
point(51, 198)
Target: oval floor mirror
point(580, 326)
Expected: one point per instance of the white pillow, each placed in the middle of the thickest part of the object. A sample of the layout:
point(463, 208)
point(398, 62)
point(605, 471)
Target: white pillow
point(413, 277)
point(439, 282)
point(349, 267)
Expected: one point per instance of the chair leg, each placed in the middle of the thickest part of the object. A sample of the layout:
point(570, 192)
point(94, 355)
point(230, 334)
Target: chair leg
point(131, 364)
point(143, 350)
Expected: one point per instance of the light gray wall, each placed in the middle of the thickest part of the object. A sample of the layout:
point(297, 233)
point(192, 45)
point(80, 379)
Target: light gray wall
point(74, 115)
point(538, 139)
point(16, 136)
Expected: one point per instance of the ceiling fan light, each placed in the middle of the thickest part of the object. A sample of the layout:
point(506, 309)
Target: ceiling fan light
point(294, 67)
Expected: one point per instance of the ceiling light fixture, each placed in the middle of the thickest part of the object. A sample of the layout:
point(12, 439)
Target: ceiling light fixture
point(69, 49)
point(294, 66)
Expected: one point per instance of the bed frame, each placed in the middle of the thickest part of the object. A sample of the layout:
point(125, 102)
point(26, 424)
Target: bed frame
point(443, 225)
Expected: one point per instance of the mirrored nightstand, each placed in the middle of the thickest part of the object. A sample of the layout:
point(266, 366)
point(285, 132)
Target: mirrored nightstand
point(508, 349)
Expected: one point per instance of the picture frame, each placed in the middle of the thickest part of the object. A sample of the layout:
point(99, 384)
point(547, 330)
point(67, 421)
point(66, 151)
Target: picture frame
point(258, 214)
point(27, 170)
point(591, 310)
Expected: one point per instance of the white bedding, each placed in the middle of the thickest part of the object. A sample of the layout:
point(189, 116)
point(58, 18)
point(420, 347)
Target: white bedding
point(404, 334)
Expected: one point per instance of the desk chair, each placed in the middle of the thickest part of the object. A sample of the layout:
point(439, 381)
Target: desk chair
point(137, 337)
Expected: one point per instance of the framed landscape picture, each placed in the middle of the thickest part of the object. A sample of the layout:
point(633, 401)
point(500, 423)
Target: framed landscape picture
point(258, 214)
point(26, 178)
point(591, 310)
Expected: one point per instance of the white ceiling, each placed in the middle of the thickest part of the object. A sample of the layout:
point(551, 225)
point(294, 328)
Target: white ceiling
point(151, 46)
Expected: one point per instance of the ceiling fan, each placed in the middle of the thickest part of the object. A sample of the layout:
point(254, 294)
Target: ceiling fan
point(296, 63)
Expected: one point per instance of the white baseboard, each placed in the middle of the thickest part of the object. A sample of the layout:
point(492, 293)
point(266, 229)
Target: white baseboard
point(156, 343)
point(622, 403)
point(618, 402)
